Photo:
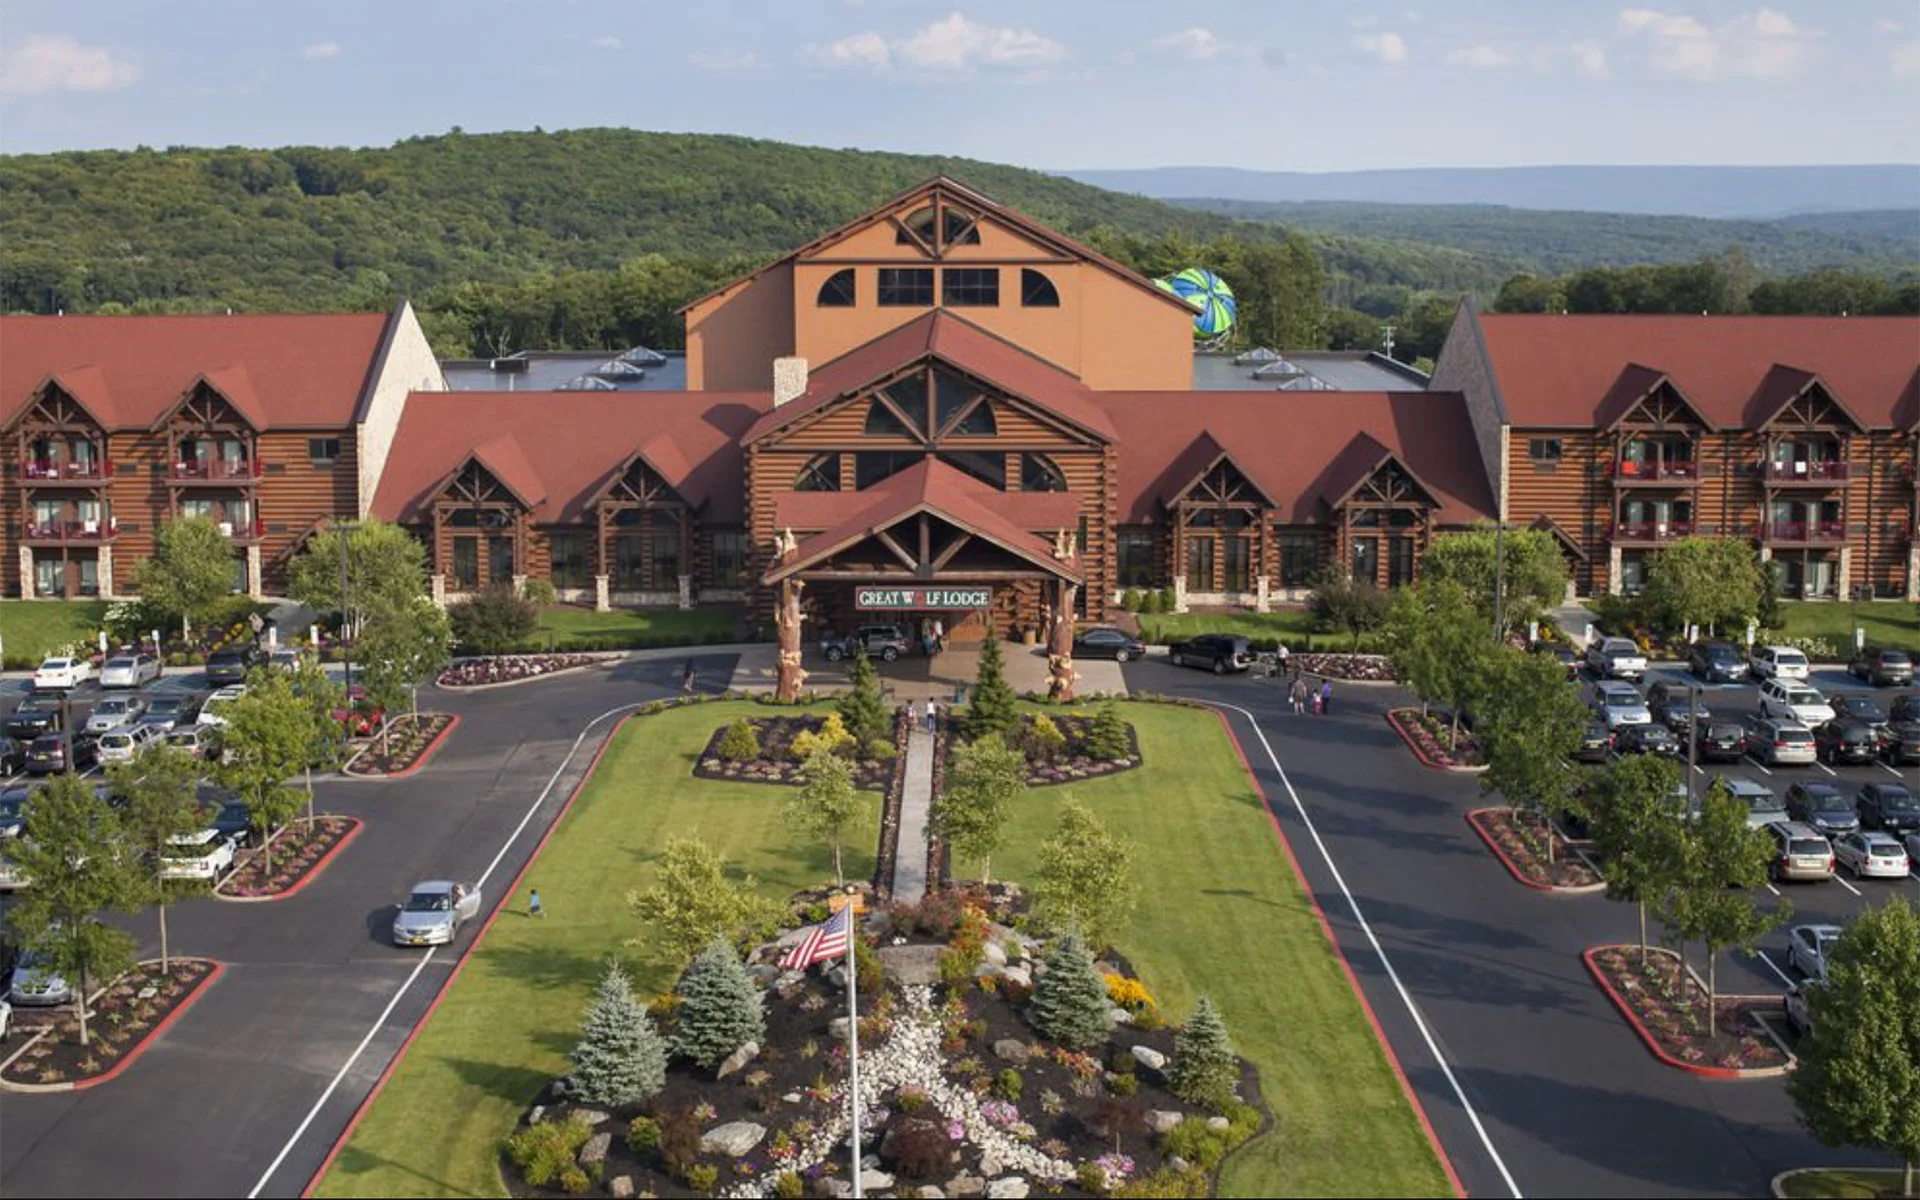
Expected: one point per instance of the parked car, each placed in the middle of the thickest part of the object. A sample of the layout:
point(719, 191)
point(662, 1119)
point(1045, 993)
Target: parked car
point(285, 660)
point(197, 740)
point(1888, 806)
point(129, 671)
point(206, 854)
point(1620, 704)
point(62, 674)
point(1912, 843)
point(1722, 741)
point(1675, 706)
point(231, 664)
point(230, 816)
point(126, 743)
point(1901, 743)
point(1647, 739)
point(1104, 641)
point(884, 642)
point(1616, 658)
point(1785, 698)
point(13, 811)
point(48, 753)
point(1799, 1014)
point(13, 755)
point(35, 715)
point(1807, 947)
point(1882, 667)
point(36, 984)
point(115, 711)
point(1870, 854)
point(433, 912)
point(1562, 653)
point(1800, 854)
point(1778, 662)
point(1864, 709)
point(1905, 708)
point(170, 709)
point(1716, 662)
point(1823, 807)
point(6, 1020)
point(210, 711)
point(1763, 807)
point(1846, 741)
point(1216, 652)
point(1779, 741)
point(1596, 744)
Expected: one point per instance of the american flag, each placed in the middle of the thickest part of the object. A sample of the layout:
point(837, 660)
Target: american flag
point(825, 940)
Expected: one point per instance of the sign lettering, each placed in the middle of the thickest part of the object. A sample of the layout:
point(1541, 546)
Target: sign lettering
point(904, 598)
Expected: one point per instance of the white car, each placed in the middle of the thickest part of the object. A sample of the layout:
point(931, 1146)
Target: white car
point(1871, 854)
point(1778, 662)
point(114, 712)
point(206, 855)
point(209, 712)
point(129, 671)
point(195, 739)
point(1807, 947)
point(1620, 704)
point(434, 911)
point(1795, 701)
point(6, 1020)
point(125, 743)
point(62, 674)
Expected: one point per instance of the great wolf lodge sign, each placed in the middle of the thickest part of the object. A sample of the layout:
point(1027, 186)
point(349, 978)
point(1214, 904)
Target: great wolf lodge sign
point(922, 597)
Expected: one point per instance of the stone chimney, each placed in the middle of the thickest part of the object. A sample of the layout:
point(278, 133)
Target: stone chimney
point(789, 379)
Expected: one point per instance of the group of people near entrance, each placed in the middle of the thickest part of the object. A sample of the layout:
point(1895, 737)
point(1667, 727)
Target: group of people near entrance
point(1304, 694)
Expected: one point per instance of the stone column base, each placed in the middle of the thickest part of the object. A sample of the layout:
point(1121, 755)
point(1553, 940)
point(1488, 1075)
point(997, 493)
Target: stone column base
point(519, 585)
point(1913, 572)
point(26, 572)
point(1613, 570)
point(1180, 593)
point(255, 586)
point(1844, 585)
point(439, 586)
point(1261, 600)
point(686, 591)
point(104, 570)
point(600, 592)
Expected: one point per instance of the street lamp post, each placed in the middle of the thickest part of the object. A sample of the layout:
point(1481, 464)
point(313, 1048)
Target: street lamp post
point(346, 529)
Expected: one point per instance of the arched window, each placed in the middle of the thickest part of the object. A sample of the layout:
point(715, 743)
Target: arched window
point(882, 421)
point(957, 228)
point(821, 474)
point(1036, 290)
point(837, 291)
point(1038, 473)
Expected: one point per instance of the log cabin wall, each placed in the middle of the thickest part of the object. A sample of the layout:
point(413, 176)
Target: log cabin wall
point(1560, 474)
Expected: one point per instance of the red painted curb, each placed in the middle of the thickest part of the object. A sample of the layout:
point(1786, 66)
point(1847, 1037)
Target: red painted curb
point(1512, 868)
point(153, 1035)
point(500, 905)
point(1420, 754)
point(300, 884)
point(426, 756)
point(1353, 981)
point(1653, 1047)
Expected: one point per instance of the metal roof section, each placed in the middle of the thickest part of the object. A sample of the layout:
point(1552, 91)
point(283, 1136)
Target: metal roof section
point(639, 369)
point(1305, 370)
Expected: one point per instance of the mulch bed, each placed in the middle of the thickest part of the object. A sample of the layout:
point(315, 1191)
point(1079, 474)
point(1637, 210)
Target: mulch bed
point(409, 743)
point(124, 1017)
point(1068, 1110)
point(1367, 668)
point(509, 668)
point(299, 850)
point(1072, 762)
point(1671, 1009)
point(1428, 735)
point(777, 763)
point(1522, 841)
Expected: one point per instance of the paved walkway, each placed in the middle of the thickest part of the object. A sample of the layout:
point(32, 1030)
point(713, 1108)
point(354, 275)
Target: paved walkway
point(916, 811)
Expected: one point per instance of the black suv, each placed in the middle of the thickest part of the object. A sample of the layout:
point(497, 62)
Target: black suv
point(1216, 652)
point(35, 716)
point(1673, 706)
point(884, 642)
point(1823, 806)
point(232, 664)
point(1717, 662)
point(1596, 744)
point(1889, 806)
point(1882, 667)
point(1722, 741)
point(1845, 740)
point(1646, 739)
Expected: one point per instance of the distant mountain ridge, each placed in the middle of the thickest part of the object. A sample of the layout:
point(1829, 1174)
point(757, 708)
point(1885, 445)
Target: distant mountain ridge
point(1757, 193)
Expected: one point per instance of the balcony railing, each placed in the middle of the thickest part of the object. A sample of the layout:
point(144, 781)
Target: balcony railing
point(1674, 470)
point(244, 531)
point(1652, 531)
point(1804, 531)
point(43, 470)
point(69, 531)
point(1804, 472)
point(217, 470)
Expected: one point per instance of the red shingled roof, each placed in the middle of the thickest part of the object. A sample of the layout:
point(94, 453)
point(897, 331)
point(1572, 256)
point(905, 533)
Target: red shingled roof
point(1038, 511)
point(568, 444)
point(1556, 371)
point(289, 371)
point(1292, 446)
point(960, 344)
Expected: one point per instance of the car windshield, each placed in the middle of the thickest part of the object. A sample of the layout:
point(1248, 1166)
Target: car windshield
point(1793, 737)
point(56, 664)
point(114, 705)
point(165, 705)
point(233, 810)
point(429, 902)
point(120, 664)
point(1721, 654)
point(1895, 658)
point(1790, 658)
point(1768, 803)
point(10, 808)
point(1898, 799)
point(117, 741)
point(1809, 846)
point(1802, 696)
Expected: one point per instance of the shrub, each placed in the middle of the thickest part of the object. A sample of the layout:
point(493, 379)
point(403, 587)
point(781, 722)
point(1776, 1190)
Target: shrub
point(702, 1176)
point(881, 750)
point(740, 743)
point(1203, 1071)
point(910, 1100)
point(1092, 1178)
point(870, 977)
point(720, 1008)
point(493, 622)
point(1070, 1000)
point(545, 1152)
point(789, 1186)
point(643, 1135)
point(1123, 1085)
point(1128, 993)
point(1107, 735)
point(538, 592)
point(1167, 1182)
point(1130, 601)
point(832, 737)
point(919, 1148)
point(1008, 1084)
point(1045, 742)
point(680, 1140)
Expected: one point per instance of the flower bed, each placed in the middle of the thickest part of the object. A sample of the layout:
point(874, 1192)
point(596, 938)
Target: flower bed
point(777, 762)
point(409, 742)
point(1668, 1009)
point(300, 851)
point(1522, 845)
point(887, 856)
point(1365, 668)
point(1427, 736)
point(510, 668)
point(1071, 760)
point(127, 1015)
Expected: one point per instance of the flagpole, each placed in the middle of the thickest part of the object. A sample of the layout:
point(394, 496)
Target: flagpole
point(853, 1040)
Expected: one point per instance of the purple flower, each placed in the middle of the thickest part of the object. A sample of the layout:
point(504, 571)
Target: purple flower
point(956, 1131)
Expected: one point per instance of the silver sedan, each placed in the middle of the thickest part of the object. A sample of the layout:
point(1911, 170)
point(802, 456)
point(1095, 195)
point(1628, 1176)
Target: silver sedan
point(1807, 947)
point(434, 911)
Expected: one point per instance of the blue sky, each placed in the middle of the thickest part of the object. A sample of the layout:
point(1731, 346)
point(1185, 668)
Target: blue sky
point(1278, 84)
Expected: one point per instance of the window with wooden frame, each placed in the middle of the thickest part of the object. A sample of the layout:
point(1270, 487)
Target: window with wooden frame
point(1038, 473)
point(729, 558)
point(970, 287)
point(466, 564)
point(1300, 552)
point(571, 560)
point(838, 291)
point(957, 228)
point(323, 451)
point(1134, 556)
point(821, 474)
point(905, 287)
point(1036, 290)
point(1544, 451)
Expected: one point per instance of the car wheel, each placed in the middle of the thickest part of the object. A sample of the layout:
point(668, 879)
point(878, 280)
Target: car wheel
point(1120, 656)
point(889, 654)
point(1219, 666)
point(833, 654)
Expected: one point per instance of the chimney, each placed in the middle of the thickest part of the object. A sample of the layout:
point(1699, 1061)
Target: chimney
point(789, 379)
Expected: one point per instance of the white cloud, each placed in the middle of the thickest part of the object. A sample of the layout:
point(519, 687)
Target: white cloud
point(319, 50)
point(1905, 59)
point(1884, 25)
point(725, 60)
point(1387, 47)
point(861, 49)
point(606, 41)
point(957, 42)
point(49, 62)
point(1590, 60)
point(1480, 58)
point(1202, 45)
point(1763, 44)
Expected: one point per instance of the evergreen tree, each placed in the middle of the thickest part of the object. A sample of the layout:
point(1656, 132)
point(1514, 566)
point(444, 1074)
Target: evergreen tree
point(719, 1007)
point(992, 710)
point(1203, 1071)
point(1070, 1002)
point(1107, 736)
point(620, 1059)
point(862, 710)
point(739, 743)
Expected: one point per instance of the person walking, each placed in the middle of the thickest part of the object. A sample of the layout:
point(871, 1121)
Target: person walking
point(939, 635)
point(533, 904)
point(933, 716)
point(1326, 697)
point(1298, 695)
point(686, 679)
point(1285, 659)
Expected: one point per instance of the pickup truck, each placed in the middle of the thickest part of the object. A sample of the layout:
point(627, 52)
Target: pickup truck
point(1616, 658)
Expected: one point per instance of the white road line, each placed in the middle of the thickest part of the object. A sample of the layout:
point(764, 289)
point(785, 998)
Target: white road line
point(1773, 889)
point(381, 1021)
point(1413, 1010)
point(1824, 767)
point(1889, 770)
point(1698, 769)
point(1775, 967)
point(1843, 883)
point(1757, 766)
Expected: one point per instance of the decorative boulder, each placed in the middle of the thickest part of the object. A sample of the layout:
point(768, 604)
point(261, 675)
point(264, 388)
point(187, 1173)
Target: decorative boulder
point(1012, 1050)
point(738, 1059)
point(733, 1139)
point(595, 1151)
point(1162, 1120)
point(1149, 1058)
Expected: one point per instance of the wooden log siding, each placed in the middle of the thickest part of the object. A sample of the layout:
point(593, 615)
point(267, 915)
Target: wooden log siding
point(294, 492)
point(1573, 491)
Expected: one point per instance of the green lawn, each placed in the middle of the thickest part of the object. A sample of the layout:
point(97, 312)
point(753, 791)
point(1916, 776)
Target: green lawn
point(1887, 622)
point(30, 627)
point(573, 627)
point(1294, 626)
point(505, 1028)
point(1842, 1185)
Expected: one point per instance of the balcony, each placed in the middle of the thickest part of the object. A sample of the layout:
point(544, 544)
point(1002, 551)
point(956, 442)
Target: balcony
point(1676, 472)
point(1804, 474)
point(68, 533)
point(1804, 533)
point(243, 531)
point(1653, 533)
point(218, 471)
point(50, 471)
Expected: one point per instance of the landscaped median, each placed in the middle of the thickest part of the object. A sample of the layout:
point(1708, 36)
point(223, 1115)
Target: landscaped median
point(1666, 1004)
point(405, 747)
point(1433, 742)
point(1838, 1183)
point(299, 852)
point(126, 1016)
point(1222, 914)
point(1535, 853)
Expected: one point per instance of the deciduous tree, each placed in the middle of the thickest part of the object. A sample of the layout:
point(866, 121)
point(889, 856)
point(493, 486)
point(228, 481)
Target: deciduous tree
point(985, 778)
point(1086, 879)
point(494, 622)
point(1723, 861)
point(1532, 580)
point(826, 804)
point(401, 648)
point(1529, 721)
point(385, 567)
point(1441, 647)
point(161, 801)
point(1637, 828)
point(1709, 582)
point(326, 737)
point(191, 570)
point(267, 740)
point(692, 901)
point(1340, 602)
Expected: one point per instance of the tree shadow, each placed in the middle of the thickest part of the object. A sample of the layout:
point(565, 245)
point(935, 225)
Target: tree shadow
point(1333, 823)
point(506, 1081)
point(1477, 979)
point(546, 966)
point(355, 1162)
point(1435, 929)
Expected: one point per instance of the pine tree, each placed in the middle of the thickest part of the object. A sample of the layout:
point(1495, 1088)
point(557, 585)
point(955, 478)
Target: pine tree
point(1107, 736)
point(719, 1007)
point(992, 710)
point(1203, 1071)
point(739, 743)
point(1070, 999)
point(862, 710)
point(620, 1059)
